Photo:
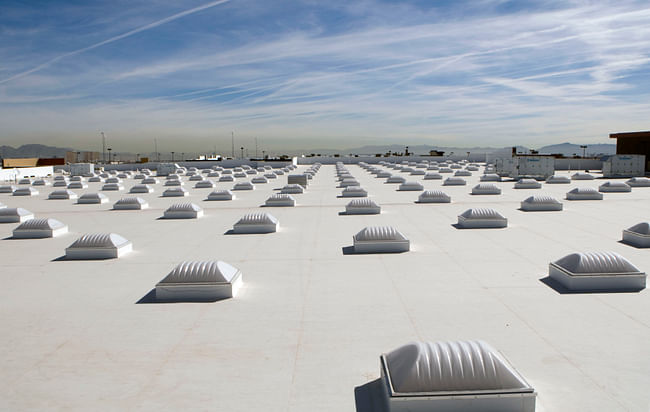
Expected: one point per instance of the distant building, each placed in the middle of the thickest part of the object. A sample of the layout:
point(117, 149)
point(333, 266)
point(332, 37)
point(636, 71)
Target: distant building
point(633, 143)
point(20, 162)
point(81, 157)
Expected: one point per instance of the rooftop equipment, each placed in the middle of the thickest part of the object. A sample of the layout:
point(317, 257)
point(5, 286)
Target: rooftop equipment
point(205, 281)
point(610, 187)
point(112, 187)
point(175, 192)
point(259, 179)
point(221, 195)
point(226, 178)
point(479, 217)
point(40, 228)
point(395, 179)
point(92, 198)
point(380, 239)
point(454, 181)
point(243, 186)
point(15, 215)
point(623, 165)
point(362, 207)
point(41, 182)
point(77, 185)
point(279, 200)
point(558, 179)
point(582, 176)
point(583, 193)
point(354, 191)
point(256, 223)
point(131, 203)
point(638, 235)
point(301, 179)
point(292, 189)
point(410, 187)
point(486, 189)
point(204, 184)
point(490, 177)
point(538, 203)
point(433, 196)
point(597, 271)
point(149, 181)
point(62, 194)
point(463, 173)
point(527, 184)
point(25, 191)
point(639, 182)
point(141, 189)
point(183, 211)
point(98, 246)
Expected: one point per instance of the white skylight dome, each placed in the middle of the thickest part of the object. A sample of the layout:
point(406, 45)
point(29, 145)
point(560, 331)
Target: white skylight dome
point(204, 184)
point(139, 176)
point(558, 179)
point(15, 215)
point(270, 176)
point(639, 182)
point(541, 203)
point(243, 186)
point(149, 181)
point(362, 207)
point(226, 178)
point(433, 196)
point(280, 200)
point(92, 198)
point(62, 194)
point(122, 175)
point(454, 181)
point(455, 166)
point(95, 179)
point(480, 217)
point(25, 181)
point(141, 188)
point(239, 174)
point(221, 195)
point(60, 183)
point(226, 172)
point(445, 170)
point(57, 178)
point(41, 182)
point(175, 192)
point(203, 281)
point(259, 179)
point(490, 177)
point(383, 175)
point(7, 188)
point(410, 186)
point(486, 189)
point(214, 174)
point(77, 179)
point(597, 271)
point(113, 180)
point(238, 169)
point(256, 223)
point(417, 172)
point(395, 179)
point(584, 193)
point(380, 239)
point(196, 178)
point(433, 167)
point(348, 182)
point(173, 176)
point(638, 235)
point(527, 184)
point(354, 191)
point(292, 189)
point(183, 211)
point(463, 173)
point(472, 168)
point(112, 187)
point(608, 187)
point(251, 172)
point(174, 182)
point(98, 246)
point(279, 172)
point(582, 176)
point(25, 191)
point(77, 185)
point(468, 376)
point(40, 228)
point(131, 203)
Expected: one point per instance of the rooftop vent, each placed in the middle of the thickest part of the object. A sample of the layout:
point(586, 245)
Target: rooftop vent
point(540, 203)
point(112, 187)
point(480, 217)
point(175, 192)
point(256, 223)
point(362, 207)
point(259, 179)
point(39, 228)
point(174, 182)
point(463, 173)
point(204, 184)
point(584, 193)
point(638, 235)
point(597, 271)
point(149, 181)
point(527, 184)
point(183, 211)
point(206, 281)
point(41, 182)
point(433, 196)
point(25, 191)
point(98, 246)
point(292, 189)
point(380, 239)
point(243, 186)
point(555, 179)
point(466, 376)
point(395, 179)
point(608, 187)
point(354, 191)
point(15, 215)
point(280, 199)
point(141, 189)
point(131, 203)
point(486, 189)
point(639, 182)
point(62, 194)
point(226, 178)
point(582, 176)
point(92, 198)
point(454, 181)
point(221, 195)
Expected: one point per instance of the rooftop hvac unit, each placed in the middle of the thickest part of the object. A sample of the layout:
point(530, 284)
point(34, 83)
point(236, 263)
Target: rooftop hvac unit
point(196, 178)
point(540, 203)
point(113, 180)
point(221, 195)
point(597, 271)
point(527, 184)
point(25, 181)
point(239, 175)
point(490, 177)
point(292, 189)
point(256, 223)
point(40, 228)
point(15, 215)
point(243, 186)
point(410, 187)
point(362, 207)
point(468, 376)
point(204, 184)
point(395, 179)
point(114, 187)
point(354, 191)
point(131, 203)
point(41, 182)
point(62, 194)
point(639, 182)
point(270, 176)
point(433, 196)
point(77, 185)
point(98, 246)
point(556, 179)
point(279, 200)
point(25, 191)
point(141, 189)
point(445, 170)
point(206, 281)
point(226, 178)
point(259, 179)
point(582, 176)
point(623, 165)
point(175, 192)
point(638, 235)
point(92, 198)
point(454, 181)
point(481, 218)
point(60, 183)
point(432, 176)
point(380, 239)
point(584, 193)
point(486, 189)
point(463, 173)
point(608, 187)
point(183, 211)
point(174, 182)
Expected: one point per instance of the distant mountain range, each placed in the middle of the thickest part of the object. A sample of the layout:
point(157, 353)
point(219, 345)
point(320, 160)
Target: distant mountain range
point(569, 149)
point(33, 150)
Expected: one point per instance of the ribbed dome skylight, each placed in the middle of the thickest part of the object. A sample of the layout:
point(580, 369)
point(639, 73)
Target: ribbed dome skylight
point(15, 215)
point(62, 194)
point(486, 189)
point(614, 187)
point(175, 192)
point(183, 211)
point(280, 199)
point(221, 195)
point(131, 203)
point(454, 181)
point(256, 223)
point(584, 193)
point(541, 203)
point(411, 186)
point(98, 246)
point(597, 271)
point(92, 198)
point(142, 188)
point(363, 206)
point(434, 196)
point(25, 191)
point(480, 217)
point(39, 228)
point(527, 184)
point(380, 239)
point(555, 179)
point(638, 235)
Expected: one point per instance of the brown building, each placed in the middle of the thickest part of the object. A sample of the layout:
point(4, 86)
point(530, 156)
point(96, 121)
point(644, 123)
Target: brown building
point(633, 143)
point(81, 157)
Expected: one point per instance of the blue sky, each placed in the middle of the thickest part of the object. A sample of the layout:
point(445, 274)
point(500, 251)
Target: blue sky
point(316, 74)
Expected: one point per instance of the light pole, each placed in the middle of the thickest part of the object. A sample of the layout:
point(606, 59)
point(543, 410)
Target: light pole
point(109, 155)
point(182, 156)
point(77, 157)
point(242, 152)
point(137, 157)
point(173, 156)
point(584, 149)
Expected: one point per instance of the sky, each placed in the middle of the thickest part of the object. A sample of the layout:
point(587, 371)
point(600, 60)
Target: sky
point(321, 74)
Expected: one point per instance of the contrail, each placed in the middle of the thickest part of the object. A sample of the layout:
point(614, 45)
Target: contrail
point(115, 38)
